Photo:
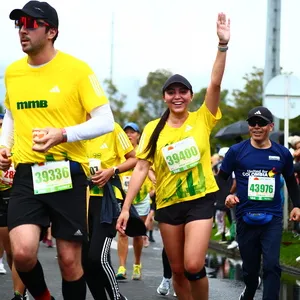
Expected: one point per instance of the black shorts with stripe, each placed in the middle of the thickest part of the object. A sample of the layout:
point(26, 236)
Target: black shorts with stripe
point(65, 210)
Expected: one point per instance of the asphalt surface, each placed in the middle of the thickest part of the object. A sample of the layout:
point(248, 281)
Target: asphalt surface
point(220, 289)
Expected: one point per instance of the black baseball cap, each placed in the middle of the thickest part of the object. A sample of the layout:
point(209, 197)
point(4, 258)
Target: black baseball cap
point(177, 79)
point(260, 112)
point(37, 10)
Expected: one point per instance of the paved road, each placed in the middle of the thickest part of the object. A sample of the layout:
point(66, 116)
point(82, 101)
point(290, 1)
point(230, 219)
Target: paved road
point(220, 289)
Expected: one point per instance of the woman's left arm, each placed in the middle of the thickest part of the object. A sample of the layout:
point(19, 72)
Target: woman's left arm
point(212, 98)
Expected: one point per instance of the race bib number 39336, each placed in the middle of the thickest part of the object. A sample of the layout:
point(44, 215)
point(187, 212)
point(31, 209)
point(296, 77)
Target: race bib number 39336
point(182, 155)
point(51, 177)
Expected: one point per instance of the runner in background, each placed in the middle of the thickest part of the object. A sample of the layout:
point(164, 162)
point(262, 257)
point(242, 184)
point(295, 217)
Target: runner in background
point(142, 205)
point(109, 155)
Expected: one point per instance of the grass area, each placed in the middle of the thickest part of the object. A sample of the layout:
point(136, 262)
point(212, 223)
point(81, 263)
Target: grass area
point(290, 248)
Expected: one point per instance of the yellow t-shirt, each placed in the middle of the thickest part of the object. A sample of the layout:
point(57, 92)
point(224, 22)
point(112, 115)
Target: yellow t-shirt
point(146, 187)
point(190, 184)
point(57, 94)
point(110, 149)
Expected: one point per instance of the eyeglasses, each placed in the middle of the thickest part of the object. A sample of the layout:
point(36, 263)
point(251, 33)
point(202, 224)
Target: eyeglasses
point(259, 121)
point(29, 23)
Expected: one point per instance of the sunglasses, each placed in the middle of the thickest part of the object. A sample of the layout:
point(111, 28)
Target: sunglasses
point(260, 122)
point(29, 23)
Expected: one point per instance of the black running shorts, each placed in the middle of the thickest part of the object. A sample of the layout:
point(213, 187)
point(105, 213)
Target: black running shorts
point(188, 211)
point(66, 210)
point(4, 198)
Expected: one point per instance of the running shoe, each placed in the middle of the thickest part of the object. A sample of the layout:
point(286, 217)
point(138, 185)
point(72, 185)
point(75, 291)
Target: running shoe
point(146, 242)
point(151, 239)
point(2, 269)
point(233, 245)
point(17, 296)
point(242, 296)
point(164, 287)
point(137, 274)
point(121, 274)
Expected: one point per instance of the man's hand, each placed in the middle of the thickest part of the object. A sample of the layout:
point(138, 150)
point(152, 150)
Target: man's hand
point(51, 138)
point(231, 201)
point(295, 214)
point(102, 176)
point(5, 159)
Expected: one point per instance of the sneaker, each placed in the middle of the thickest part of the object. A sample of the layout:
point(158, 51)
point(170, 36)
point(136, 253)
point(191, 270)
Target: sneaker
point(17, 296)
point(49, 243)
point(233, 245)
point(298, 259)
point(242, 295)
point(136, 274)
point(175, 295)
point(146, 242)
point(218, 233)
point(164, 287)
point(26, 295)
point(121, 273)
point(2, 269)
point(227, 234)
point(151, 239)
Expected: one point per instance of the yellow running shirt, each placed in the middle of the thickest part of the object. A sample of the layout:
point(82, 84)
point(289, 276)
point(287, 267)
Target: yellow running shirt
point(145, 188)
point(182, 159)
point(57, 94)
point(110, 149)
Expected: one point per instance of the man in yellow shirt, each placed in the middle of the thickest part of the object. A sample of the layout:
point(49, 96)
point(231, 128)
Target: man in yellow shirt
point(48, 95)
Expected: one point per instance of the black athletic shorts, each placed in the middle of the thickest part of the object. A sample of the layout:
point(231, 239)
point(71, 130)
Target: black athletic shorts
point(66, 210)
point(188, 211)
point(4, 198)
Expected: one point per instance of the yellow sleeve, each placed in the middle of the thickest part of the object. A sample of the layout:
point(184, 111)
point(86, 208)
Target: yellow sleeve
point(141, 152)
point(6, 99)
point(204, 114)
point(123, 144)
point(90, 90)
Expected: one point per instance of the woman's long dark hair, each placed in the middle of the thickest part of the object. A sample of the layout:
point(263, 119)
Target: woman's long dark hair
point(151, 147)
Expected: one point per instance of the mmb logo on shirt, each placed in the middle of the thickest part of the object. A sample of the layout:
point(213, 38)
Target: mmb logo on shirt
point(32, 104)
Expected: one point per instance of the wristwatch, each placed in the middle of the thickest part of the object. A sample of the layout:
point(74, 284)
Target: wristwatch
point(116, 171)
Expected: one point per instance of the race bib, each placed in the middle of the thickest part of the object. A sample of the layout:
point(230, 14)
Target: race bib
point(95, 165)
point(125, 181)
point(6, 179)
point(182, 155)
point(261, 188)
point(51, 177)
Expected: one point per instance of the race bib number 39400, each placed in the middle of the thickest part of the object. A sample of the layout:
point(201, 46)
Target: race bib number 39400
point(182, 155)
point(51, 177)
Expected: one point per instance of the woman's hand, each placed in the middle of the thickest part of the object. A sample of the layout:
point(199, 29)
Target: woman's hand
point(223, 28)
point(102, 176)
point(122, 221)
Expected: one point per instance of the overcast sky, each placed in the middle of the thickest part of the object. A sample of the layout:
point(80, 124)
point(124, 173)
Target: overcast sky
point(161, 34)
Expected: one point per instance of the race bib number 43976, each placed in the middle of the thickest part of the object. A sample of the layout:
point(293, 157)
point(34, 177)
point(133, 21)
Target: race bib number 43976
point(51, 177)
point(182, 155)
point(261, 188)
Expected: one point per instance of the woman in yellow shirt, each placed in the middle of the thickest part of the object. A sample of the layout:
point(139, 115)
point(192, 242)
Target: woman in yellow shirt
point(178, 146)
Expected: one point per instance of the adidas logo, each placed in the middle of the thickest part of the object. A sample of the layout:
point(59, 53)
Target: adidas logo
point(55, 90)
point(258, 112)
point(188, 128)
point(104, 146)
point(78, 233)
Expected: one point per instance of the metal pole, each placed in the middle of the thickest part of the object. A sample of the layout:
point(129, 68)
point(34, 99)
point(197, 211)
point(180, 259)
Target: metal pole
point(286, 134)
point(272, 54)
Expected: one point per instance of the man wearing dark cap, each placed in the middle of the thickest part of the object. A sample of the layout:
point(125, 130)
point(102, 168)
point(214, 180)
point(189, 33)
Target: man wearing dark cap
point(49, 94)
point(258, 164)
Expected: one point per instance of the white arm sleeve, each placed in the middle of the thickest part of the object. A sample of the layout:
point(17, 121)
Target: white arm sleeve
point(102, 122)
point(7, 136)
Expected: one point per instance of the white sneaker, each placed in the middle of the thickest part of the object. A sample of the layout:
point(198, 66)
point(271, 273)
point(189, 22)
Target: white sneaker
point(233, 245)
point(298, 259)
point(164, 287)
point(227, 234)
point(218, 233)
point(174, 294)
point(2, 269)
